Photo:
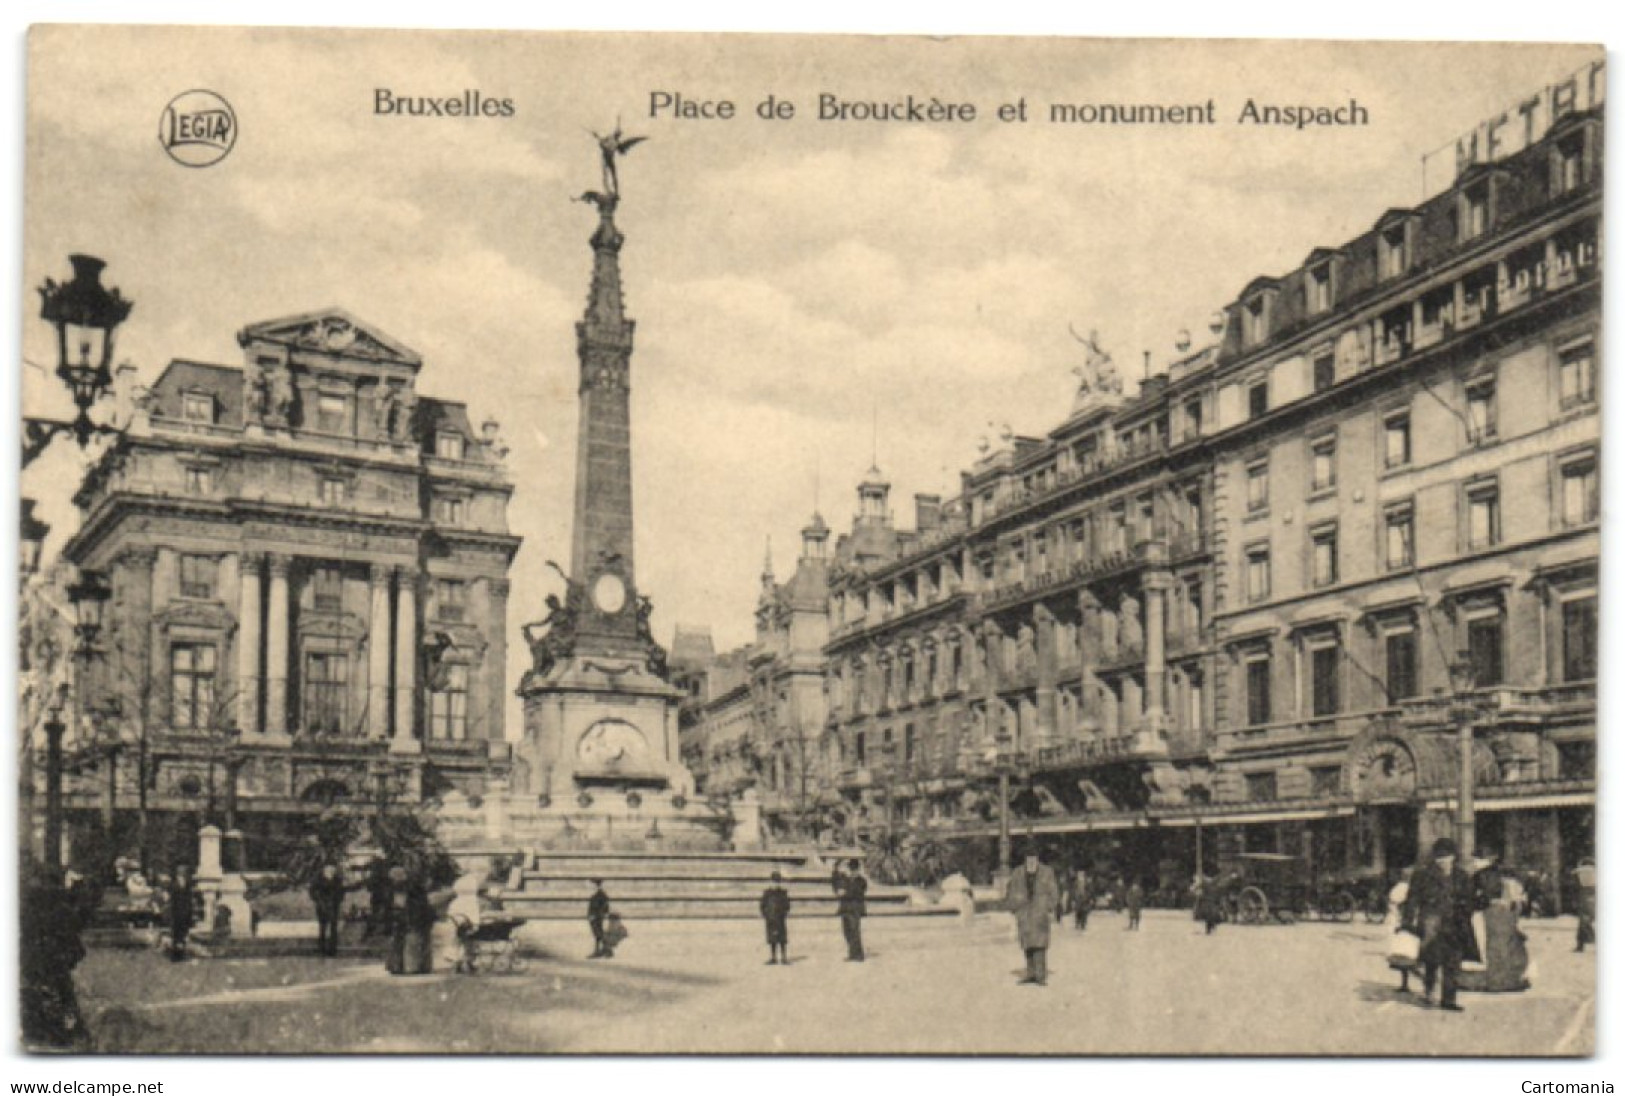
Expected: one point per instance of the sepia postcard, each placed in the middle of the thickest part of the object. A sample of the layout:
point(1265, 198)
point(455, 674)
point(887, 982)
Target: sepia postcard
point(586, 543)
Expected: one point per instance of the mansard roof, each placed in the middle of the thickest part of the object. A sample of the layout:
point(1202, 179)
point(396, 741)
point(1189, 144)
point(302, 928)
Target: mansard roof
point(224, 383)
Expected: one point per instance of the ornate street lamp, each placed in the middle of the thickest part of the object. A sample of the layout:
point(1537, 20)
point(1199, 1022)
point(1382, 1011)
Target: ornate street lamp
point(31, 533)
point(89, 597)
point(1463, 680)
point(86, 315)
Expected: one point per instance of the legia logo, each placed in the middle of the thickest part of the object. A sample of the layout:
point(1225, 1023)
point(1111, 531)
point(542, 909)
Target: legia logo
point(198, 128)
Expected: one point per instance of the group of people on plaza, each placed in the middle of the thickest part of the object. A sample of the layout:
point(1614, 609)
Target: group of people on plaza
point(1456, 924)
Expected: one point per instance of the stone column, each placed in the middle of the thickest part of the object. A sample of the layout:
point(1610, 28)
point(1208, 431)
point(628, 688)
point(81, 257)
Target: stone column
point(495, 626)
point(276, 648)
point(378, 646)
point(249, 639)
point(992, 652)
point(1155, 585)
point(1044, 643)
point(406, 659)
point(1088, 656)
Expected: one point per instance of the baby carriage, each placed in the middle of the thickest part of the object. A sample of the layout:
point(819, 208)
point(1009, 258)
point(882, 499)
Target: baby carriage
point(488, 947)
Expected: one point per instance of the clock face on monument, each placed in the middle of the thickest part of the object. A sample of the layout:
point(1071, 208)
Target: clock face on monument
point(609, 594)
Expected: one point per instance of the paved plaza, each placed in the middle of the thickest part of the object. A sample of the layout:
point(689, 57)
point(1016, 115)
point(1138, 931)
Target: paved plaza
point(938, 987)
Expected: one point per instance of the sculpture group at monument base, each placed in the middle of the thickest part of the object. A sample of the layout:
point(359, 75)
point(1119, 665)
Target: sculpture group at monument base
point(600, 817)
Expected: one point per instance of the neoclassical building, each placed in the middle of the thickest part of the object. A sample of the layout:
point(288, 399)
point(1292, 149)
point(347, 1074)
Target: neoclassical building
point(308, 563)
point(1222, 614)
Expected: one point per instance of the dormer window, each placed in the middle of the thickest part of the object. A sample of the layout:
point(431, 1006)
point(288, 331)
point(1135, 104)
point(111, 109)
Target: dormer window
point(1393, 253)
point(1318, 289)
point(1568, 164)
point(448, 446)
point(197, 407)
point(1256, 321)
point(1475, 211)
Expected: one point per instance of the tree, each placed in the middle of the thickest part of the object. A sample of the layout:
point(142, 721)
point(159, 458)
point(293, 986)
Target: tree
point(403, 834)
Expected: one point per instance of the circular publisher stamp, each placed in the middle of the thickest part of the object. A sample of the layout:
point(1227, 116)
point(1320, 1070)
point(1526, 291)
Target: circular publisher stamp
point(198, 128)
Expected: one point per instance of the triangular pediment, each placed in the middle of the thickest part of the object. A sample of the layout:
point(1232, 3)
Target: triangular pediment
point(331, 331)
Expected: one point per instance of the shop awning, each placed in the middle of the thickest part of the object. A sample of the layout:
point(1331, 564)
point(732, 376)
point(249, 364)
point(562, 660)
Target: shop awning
point(1246, 819)
point(1525, 802)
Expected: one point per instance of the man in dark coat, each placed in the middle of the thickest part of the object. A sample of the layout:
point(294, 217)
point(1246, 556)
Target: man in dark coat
point(776, 913)
point(1439, 910)
point(1032, 895)
point(183, 899)
point(1133, 899)
point(327, 895)
point(852, 908)
point(378, 888)
point(1585, 931)
point(597, 912)
point(1083, 899)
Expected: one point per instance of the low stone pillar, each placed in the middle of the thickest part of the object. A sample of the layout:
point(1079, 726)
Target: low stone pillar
point(208, 854)
point(210, 872)
point(234, 898)
point(496, 811)
point(232, 854)
point(956, 892)
point(747, 818)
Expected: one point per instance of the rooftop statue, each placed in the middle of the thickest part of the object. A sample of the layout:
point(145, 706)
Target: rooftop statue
point(1097, 371)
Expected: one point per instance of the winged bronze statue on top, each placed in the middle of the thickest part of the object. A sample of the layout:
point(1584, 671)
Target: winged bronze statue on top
point(610, 145)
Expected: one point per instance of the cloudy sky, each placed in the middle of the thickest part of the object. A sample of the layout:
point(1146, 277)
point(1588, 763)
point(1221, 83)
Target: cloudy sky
point(804, 289)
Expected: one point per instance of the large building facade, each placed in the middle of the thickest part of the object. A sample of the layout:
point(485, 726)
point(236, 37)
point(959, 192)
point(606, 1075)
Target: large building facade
point(1222, 615)
point(308, 566)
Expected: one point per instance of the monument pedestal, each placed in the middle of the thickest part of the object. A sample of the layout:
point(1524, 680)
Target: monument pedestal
point(599, 722)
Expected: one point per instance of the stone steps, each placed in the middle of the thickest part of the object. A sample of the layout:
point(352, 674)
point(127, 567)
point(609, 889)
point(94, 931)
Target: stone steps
point(637, 908)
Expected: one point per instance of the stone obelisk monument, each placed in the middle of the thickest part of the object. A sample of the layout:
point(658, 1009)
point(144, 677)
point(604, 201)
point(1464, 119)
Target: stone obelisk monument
point(600, 716)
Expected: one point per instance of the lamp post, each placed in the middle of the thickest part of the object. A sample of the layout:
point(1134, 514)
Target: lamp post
point(1463, 681)
point(1004, 767)
point(888, 751)
point(54, 730)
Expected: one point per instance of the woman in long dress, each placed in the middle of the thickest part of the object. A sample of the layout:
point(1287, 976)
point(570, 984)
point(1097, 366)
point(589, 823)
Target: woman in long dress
point(411, 918)
point(1402, 953)
point(1501, 941)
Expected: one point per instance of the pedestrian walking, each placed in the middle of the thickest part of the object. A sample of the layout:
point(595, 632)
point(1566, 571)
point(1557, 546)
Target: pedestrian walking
point(852, 908)
point(1439, 910)
point(1082, 900)
point(776, 915)
point(1133, 899)
point(1586, 877)
point(597, 916)
point(183, 901)
point(327, 895)
point(1032, 895)
point(1209, 903)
